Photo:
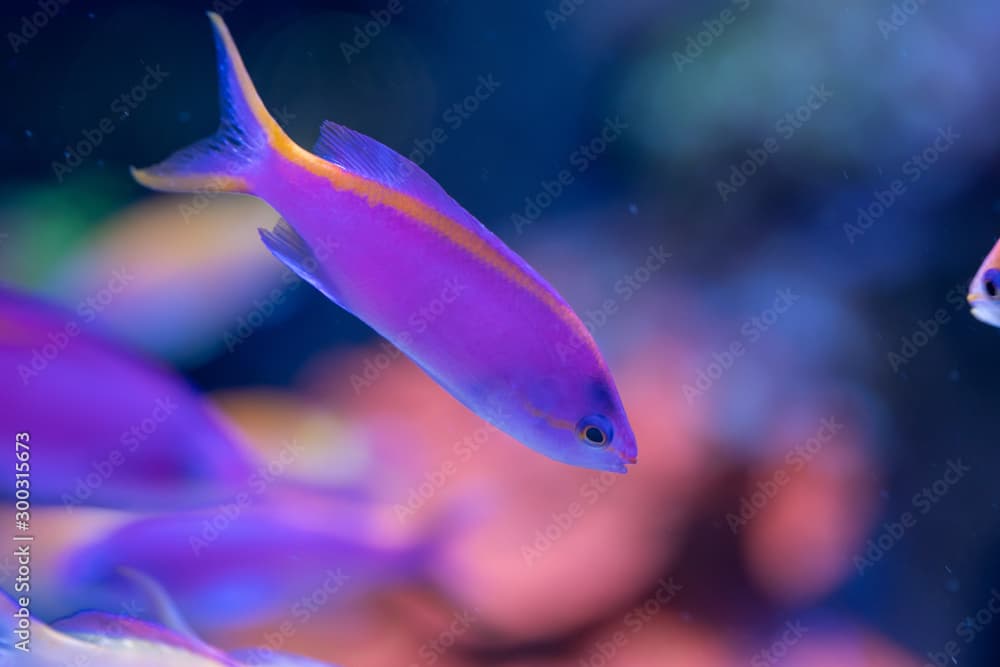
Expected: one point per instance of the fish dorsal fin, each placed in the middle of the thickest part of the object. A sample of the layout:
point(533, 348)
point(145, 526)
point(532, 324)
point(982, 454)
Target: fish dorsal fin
point(361, 155)
point(295, 252)
point(165, 612)
point(365, 157)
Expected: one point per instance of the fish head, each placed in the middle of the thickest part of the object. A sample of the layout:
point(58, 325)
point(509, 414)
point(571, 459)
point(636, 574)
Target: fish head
point(984, 295)
point(579, 420)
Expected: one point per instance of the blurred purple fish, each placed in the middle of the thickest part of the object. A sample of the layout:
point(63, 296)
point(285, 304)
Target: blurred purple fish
point(110, 640)
point(236, 565)
point(419, 269)
point(112, 430)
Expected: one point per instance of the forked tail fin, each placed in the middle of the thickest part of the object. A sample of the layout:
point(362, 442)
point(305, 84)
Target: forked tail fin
point(225, 161)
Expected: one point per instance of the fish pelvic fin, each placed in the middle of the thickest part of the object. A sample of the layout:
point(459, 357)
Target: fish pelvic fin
point(229, 160)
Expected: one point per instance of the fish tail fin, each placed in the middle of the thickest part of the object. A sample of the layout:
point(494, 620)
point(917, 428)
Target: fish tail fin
point(228, 160)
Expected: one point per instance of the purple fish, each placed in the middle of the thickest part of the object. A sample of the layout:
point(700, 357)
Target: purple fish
point(419, 269)
point(97, 425)
point(240, 564)
point(115, 640)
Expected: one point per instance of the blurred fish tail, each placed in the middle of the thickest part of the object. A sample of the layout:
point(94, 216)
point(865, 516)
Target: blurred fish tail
point(230, 159)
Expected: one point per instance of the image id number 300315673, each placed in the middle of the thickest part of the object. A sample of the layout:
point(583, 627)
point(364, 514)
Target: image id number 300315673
point(22, 541)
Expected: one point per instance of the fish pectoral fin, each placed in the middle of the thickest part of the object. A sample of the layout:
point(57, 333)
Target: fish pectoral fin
point(295, 252)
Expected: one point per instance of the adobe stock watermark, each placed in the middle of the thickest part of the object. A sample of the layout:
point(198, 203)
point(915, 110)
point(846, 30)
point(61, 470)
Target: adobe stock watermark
point(258, 482)
point(300, 613)
point(34, 23)
point(87, 311)
point(785, 128)
point(367, 33)
point(795, 461)
point(751, 331)
point(556, 16)
point(462, 452)
point(579, 162)
point(263, 309)
point(712, 29)
point(926, 330)
point(129, 442)
point(899, 15)
point(780, 648)
point(603, 652)
point(562, 522)
point(452, 119)
point(418, 323)
point(911, 172)
point(625, 289)
point(967, 630)
point(922, 502)
point(121, 107)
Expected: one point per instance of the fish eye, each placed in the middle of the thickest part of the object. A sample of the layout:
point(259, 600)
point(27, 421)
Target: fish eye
point(594, 435)
point(595, 430)
point(990, 281)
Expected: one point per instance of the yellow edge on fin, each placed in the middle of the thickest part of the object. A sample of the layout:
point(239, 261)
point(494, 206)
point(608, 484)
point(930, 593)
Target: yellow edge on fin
point(197, 183)
point(247, 90)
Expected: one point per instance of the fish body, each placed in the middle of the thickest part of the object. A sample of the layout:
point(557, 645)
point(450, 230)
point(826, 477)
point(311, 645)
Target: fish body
point(111, 640)
point(112, 429)
point(984, 291)
point(342, 549)
point(382, 239)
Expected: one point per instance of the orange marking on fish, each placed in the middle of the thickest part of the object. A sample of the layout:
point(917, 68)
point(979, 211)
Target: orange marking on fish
point(554, 422)
point(377, 194)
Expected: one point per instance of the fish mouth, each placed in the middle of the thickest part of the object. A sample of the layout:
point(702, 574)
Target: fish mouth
point(986, 315)
point(619, 464)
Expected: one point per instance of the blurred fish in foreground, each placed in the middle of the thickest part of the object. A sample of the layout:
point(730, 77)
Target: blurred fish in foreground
point(128, 434)
point(244, 563)
point(114, 640)
point(177, 276)
point(984, 292)
point(330, 448)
